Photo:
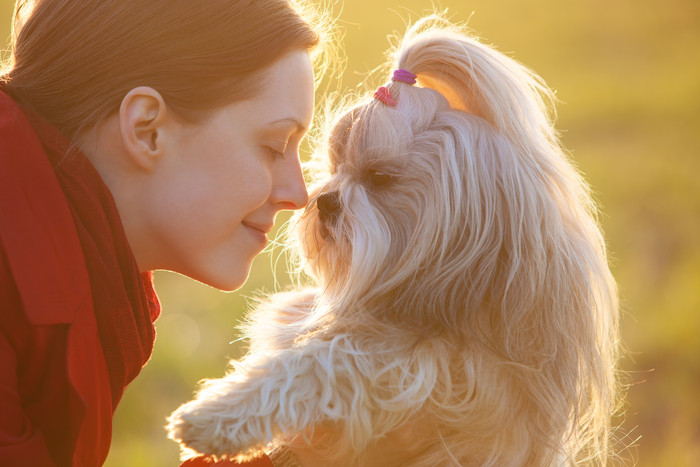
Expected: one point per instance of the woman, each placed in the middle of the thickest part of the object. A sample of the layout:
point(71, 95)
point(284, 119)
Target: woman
point(133, 136)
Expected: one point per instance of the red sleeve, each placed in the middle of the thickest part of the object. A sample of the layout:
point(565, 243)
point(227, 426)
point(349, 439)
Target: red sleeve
point(263, 461)
point(20, 443)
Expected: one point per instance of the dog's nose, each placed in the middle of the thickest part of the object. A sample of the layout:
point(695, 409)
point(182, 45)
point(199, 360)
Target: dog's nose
point(328, 205)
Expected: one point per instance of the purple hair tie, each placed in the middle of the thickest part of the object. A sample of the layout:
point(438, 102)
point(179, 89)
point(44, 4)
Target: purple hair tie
point(404, 76)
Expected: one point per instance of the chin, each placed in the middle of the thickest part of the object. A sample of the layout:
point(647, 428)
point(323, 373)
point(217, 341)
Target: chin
point(227, 285)
point(459, 290)
point(223, 277)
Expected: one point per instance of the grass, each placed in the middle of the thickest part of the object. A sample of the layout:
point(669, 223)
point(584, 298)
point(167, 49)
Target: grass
point(627, 74)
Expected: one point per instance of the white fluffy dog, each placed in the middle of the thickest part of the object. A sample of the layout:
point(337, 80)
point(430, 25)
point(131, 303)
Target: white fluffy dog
point(462, 284)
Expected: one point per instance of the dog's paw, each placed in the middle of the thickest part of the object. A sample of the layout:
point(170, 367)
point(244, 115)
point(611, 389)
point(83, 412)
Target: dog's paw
point(195, 427)
point(246, 410)
point(188, 429)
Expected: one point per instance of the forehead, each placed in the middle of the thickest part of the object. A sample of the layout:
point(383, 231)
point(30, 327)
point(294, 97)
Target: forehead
point(287, 90)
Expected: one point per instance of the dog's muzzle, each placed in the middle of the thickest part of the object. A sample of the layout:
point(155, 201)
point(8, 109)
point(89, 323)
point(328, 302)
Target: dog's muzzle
point(328, 206)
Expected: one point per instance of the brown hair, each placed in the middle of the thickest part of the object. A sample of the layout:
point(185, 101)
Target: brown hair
point(73, 61)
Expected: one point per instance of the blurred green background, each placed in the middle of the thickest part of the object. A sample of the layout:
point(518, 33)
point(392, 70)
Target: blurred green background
point(627, 73)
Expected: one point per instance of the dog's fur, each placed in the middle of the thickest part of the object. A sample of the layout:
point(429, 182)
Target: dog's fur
point(462, 282)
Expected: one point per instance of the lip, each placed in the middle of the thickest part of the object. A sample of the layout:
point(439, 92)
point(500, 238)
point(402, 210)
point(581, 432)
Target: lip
point(259, 231)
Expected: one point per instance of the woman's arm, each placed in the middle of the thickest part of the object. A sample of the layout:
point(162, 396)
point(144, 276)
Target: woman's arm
point(20, 443)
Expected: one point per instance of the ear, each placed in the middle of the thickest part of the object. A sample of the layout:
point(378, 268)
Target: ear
point(141, 118)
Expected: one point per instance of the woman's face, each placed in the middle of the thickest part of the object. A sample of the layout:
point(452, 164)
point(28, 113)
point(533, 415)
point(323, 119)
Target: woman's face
point(217, 198)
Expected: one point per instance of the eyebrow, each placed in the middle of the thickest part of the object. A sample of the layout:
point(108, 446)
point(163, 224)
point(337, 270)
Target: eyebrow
point(300, 127)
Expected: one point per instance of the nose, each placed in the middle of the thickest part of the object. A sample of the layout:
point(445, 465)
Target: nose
point(328, 205)
point(289, 191)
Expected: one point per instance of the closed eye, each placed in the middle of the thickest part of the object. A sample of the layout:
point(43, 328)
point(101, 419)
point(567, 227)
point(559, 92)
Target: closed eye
point(274, 152)
point(378, 178)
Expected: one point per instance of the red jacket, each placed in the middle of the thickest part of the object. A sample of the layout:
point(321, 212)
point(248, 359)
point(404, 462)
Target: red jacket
point(53, 373)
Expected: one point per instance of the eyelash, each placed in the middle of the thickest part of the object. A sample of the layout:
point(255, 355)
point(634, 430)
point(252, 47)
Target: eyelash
point(274, 153)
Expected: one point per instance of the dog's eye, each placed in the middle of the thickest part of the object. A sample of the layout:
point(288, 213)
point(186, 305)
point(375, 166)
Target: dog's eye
point(378, 178)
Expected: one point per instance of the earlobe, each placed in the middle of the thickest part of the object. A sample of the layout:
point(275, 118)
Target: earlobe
point(141, 117)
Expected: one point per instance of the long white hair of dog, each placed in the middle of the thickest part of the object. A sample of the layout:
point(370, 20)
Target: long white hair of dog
point(462, 280)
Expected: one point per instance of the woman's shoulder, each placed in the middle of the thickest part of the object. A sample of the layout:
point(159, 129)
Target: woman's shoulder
point(37, 230)
point(14, 124)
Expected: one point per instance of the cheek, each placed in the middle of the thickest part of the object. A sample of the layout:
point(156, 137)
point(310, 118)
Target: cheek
point(232, 175)
point(208, 203)
point(218, 206)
